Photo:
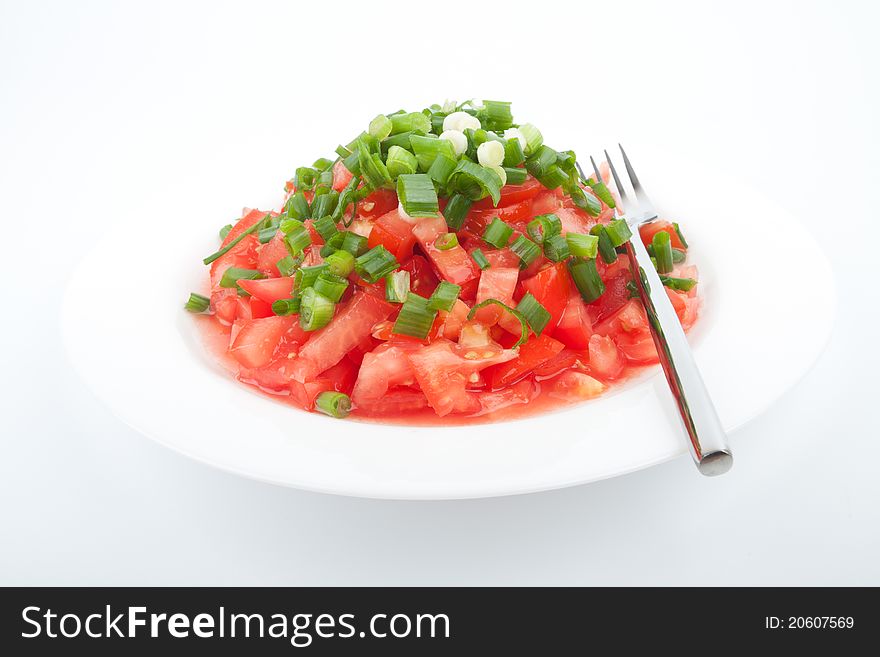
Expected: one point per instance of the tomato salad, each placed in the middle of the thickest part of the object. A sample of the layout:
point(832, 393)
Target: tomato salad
point(447, 264)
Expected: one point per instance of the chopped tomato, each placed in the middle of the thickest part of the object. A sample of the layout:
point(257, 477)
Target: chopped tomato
point(398, 400)
point(535, 351)
point(500, 257)
point(574, 328)
point(647, 232)
point(257, 340)
point(394, 233)
point(574, 221)
point(341, 176)
point(629, 317)
point(454, 320)
point(517, 214)
point(269, 289)
point(422, 279)
point(551, 288)
point(513, 194)
point(442, 373)
point(260, 308)
point(248, 219)
point(242, 255)
point(349, 327)
point(575, 386)
point(605, 358)
point(270, 253)
point(495, 283)
point(546, 203)
point(565, 360)
point(496, 400)
point(454, 265)
point(378, 203)
point(385, 367)
point(637, 346)
point(615, 296)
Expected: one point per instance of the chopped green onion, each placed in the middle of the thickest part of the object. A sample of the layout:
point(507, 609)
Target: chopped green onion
point(682, 284)
point(298, 237)
point(427, 149)
point(600, 189)
point(324, 204)
point(542, 161)
point(380, 127)
point(334, 404)
point(197, 303)
point(606, 248)
point(297, 207)
point(678, 256)
point(543, 227)
point(412, 121)
point(325, 183)
point(526, 249)
point(446, 241)
point(234, 274)
point(376, 263)
point(315, 310)
point(456, 210)
point(633, 289)
point(475, 181)
point(415, 318)
point(417, 195)
point(680, 235)
point(342, 151)
point(225, 231)
point(401, 140)
point(516, 175)
point(322, 164)
point(586, 278)
point(582, 246)
point(304, 179)
point(283, 307)
point(480, 258)
point(524, 327)
point(266, 234)
point(325, 227)
point(567, 161)
point(353, 243)
point(496, 115)
point(618, 232)
point(535, 314)
point(534, 138)
point(513, 153)
point(226, 249)
point(397, 286)
point(497, 233)
point(372, 168)
point(331, 285)
point(340, 263)
point(288, 264)
point(586, 201)
point(556, 248)
point(442, 168)
point(305, 277)
point(662, 251)
point(444, 296)
point(400, 161)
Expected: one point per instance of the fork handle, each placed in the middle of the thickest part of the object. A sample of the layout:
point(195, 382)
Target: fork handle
point(706, 438)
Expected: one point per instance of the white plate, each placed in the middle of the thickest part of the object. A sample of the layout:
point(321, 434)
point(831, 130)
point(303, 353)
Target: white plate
point(767, 314)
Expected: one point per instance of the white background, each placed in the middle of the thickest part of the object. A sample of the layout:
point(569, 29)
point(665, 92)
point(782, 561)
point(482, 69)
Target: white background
point(107, 107)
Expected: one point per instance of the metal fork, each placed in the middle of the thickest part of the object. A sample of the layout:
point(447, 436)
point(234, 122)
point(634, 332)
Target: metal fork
point(706, 438)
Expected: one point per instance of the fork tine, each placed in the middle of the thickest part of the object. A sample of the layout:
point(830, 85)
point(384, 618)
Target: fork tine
point(620, 189)
point(595, 169)
point(580, 171)
point(634, 179)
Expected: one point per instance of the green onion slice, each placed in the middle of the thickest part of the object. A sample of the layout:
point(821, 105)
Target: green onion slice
point(334, 404)
point(556, 248)
point(524, 327)
point(680, 235)
point(662, 251)
point(380, 127)
point(315, 310)
point(535, 314)
point(601, 190)
point(516, 175)
point(283, 307)
point(456, 210)
point(618, 232)
point(234, 274)
point(397, 286)
point(331, 285)
point(480, 258)
point(586, 278)
point(526, 249)
point(400, 162)
point(446, 241)
point(606, 247)
point(376, 263)
point(340, 263)
point(288, 264)
point(682, 284)
point(415, 318)
point(582, 246)
point(543, 227)
point(305, 277)
point(444, 296)
point(497, 233)
point(259, 225)
point(225, 231)
point(417, 195)
point(197, 303)
point(475, 181)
